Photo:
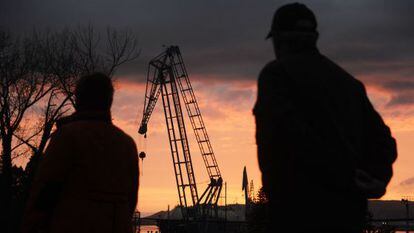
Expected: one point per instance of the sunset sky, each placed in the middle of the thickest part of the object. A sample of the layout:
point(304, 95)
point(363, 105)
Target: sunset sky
point(223, 45)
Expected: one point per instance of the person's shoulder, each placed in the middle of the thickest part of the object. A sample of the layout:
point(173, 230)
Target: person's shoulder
point(68, 125)
point(349, 78)
point(271, 72)
point(123, 135)
point(271, 67)
point(64, 128)
point(127, 142)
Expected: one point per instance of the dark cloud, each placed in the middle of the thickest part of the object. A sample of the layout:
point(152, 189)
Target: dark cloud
point(225, 39)
point(399, 85)
point(407, 182)
point(401, 99)
point(401, 91)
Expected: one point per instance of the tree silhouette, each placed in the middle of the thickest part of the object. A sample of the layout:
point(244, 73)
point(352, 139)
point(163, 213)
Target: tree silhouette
point(258, 213)
point(38, 74)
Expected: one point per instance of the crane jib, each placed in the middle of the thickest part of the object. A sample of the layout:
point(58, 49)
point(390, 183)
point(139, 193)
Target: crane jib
point(167, 77)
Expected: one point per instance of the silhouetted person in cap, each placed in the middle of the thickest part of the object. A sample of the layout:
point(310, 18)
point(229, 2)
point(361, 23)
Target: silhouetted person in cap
point(322, 147)
point(88, 178)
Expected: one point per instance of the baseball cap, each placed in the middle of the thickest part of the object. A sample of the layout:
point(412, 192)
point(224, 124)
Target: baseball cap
point(294, 17)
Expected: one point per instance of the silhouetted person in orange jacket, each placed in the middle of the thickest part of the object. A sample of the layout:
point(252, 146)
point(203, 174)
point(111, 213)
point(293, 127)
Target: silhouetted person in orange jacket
point(88, 178)
point(322, 147)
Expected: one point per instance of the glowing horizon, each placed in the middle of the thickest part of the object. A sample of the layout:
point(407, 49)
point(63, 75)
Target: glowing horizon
point(226, 108)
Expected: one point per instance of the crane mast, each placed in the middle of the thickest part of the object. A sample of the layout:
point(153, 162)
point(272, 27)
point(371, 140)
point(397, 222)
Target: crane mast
point(167, 76)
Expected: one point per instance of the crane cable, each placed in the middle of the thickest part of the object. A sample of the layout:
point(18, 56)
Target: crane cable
point(142, 143)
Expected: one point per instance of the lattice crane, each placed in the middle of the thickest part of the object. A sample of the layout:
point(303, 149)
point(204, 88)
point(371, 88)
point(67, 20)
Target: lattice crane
point(167, 76)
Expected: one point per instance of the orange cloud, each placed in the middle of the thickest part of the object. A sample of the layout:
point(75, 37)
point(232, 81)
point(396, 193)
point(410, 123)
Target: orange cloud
point(226, 107)
point(229, 121)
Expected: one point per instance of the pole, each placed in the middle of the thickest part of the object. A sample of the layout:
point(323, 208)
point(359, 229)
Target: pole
point(225, 201)
point(225, 206)
point(168, 219)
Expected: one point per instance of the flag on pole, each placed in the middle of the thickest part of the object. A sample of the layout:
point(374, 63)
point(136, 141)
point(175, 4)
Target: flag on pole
point(245, 182)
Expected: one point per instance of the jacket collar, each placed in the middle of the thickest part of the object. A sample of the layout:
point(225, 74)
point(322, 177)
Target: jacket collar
point(85, 116)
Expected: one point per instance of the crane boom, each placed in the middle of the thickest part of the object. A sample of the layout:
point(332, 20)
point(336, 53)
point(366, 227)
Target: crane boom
point(167, 76)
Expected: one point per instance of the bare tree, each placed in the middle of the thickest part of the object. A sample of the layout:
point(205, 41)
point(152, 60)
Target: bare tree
point(69, 55)
point(41, 71)
point(93, 55)
point(22, 86)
